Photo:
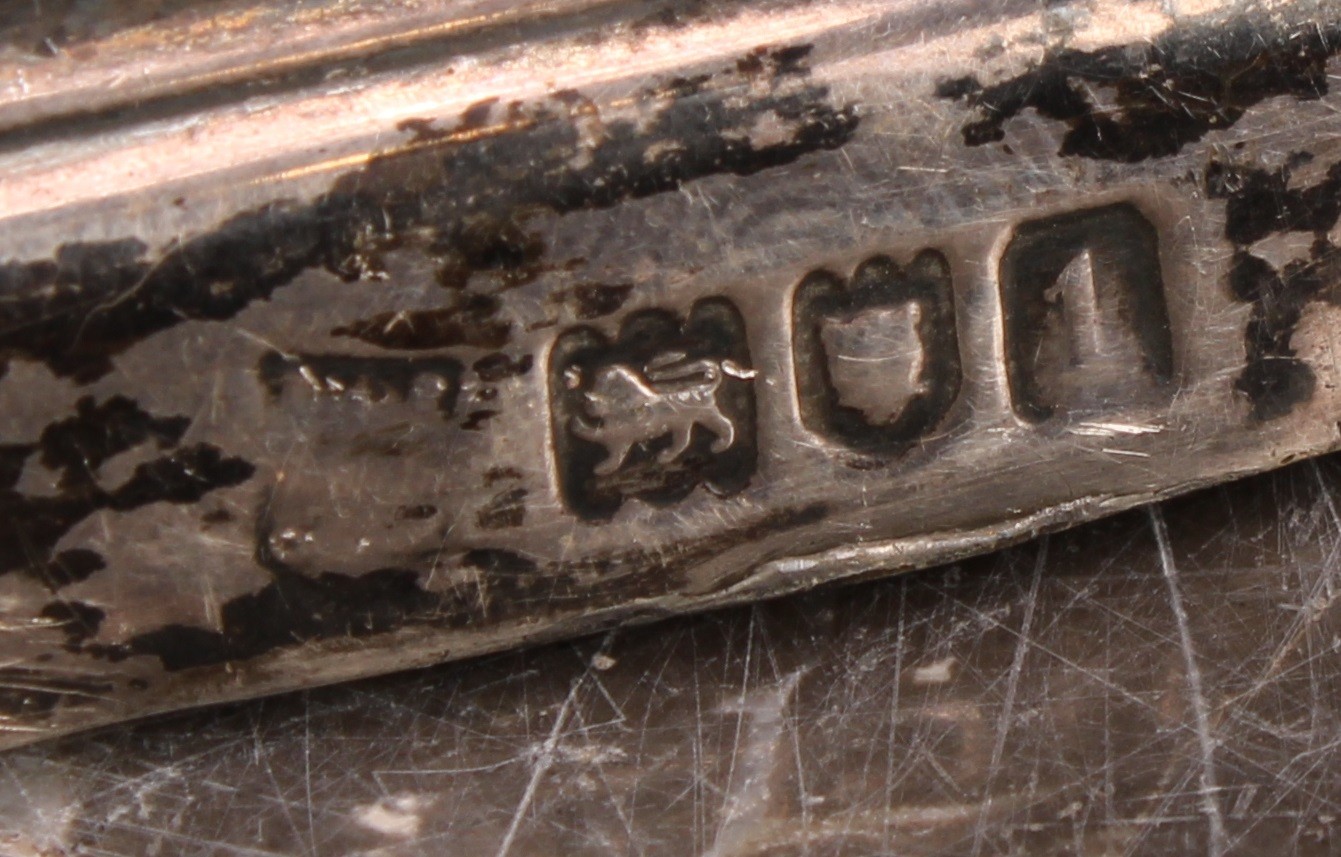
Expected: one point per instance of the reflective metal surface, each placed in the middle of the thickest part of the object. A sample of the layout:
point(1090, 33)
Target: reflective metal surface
point(1090, 693)
point(393, 335)
point(303, 337)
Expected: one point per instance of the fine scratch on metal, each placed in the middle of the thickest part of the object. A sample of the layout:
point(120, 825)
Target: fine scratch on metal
point(562, 320)
point(547, 753)
point(1022, 644)
point(1210, 793)
point(417, 341)
point(903, 701)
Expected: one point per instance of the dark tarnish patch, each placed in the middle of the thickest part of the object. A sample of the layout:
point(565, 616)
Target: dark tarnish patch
point(471, 324)
point(295, 609)
point(93, 301)
point(476, 420)
point(1160, 95)
point(49, 325)
point(79, 622)
point(464, 202)
point(493, 368)
point(683, 13)
point(676, 13)
point(30, 526)
point(79, 445)
point(494, 475)
point(49, 29)
point(497, 561)
point(789, 60)
point(1260, 203)
point(587, 301)
point(506, 509)
point(418, 512)
point(292, 610)
point(72, 566)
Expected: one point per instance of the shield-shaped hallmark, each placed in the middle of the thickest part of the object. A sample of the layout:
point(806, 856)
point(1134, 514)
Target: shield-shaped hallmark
point(877, 360)
point(877, 354)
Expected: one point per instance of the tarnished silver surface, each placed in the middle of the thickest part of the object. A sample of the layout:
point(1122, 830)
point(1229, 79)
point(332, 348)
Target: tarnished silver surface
point(1085, 694)
point(526, 322)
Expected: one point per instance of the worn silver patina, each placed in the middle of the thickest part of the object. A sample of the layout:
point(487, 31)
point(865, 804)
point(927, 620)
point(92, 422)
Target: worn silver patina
point(425, 341)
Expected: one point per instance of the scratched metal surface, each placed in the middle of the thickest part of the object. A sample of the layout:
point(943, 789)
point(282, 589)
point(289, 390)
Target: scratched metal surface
point(1091, 693)
point(361, 374)
point(1153, 683)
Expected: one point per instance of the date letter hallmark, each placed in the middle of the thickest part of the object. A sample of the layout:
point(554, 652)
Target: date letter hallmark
point(664, 407)
point(1086, 323)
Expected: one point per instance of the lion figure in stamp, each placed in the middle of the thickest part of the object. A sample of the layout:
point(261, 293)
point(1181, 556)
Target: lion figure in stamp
point(625, 406)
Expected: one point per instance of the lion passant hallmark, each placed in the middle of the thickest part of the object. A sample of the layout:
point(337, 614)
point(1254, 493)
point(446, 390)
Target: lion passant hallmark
point(626, 406)
point(665, 406)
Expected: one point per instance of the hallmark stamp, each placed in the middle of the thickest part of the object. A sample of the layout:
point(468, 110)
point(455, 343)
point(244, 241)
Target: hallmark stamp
point(366, 380)
point(665, 406)
point(1086, 323)
point(671, 395)
point(876, 355)
point(385, 424)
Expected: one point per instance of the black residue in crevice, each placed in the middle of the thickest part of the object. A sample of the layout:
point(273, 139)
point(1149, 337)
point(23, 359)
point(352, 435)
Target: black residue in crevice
point(587, 301)
point(493, 368)
point(498, 561)
point(1260, 203)
point(75, 448)
point(487, 243)
point(471, 322)
point(416, 512)
point(466, 203)
point(33, 694)
point(506, 509)
point(477, 419)
point(1156, 97)
point(497, 474)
